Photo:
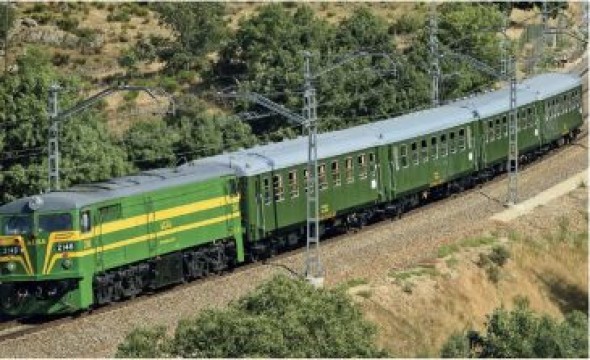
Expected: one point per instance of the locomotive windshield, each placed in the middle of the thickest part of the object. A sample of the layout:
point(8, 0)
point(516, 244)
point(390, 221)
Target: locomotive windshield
point(55, 222)
point(17, 225)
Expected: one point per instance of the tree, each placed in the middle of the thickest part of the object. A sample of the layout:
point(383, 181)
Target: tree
point(523, 334)
point(200, 134)
point(199, 29)
point(281, 318)
point(6, 20)
point(87, 150)
point(150, 144)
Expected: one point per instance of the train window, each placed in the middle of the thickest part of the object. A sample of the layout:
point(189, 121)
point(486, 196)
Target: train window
point(362, 166)
point(433, 148)
point(424, 151)
point(505, 126)
point(109, 213)
point(490, 131)
point(336, 173)
point(415, 159)
point(266, 190)
point(277, 188)
point(323, 182)
point(443, 145)
point(403, 151)
point(498, 130)
point(461, 140)
point(349, 170)
point(293, 186)
point(371, 158)
point(452, 142)
point(49, 223)
point(306, 179)
point(85, 222)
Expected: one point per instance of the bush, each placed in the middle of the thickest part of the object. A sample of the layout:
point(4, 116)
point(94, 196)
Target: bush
point(144, 343)
point(120, 16)
point(499, 255)
point(523, 334)
point(169, 84)
point(60, 59)
point(68, 24)
point(282, 318)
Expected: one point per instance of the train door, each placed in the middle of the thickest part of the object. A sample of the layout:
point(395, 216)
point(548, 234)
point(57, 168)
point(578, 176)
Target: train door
point(98, 242)
point(151, 229)
point(393, 166)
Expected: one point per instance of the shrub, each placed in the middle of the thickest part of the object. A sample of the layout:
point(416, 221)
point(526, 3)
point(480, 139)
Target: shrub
point(68, 24)
point(60, 59)
point(282, 318)
point(144, 343)
point(120, 16)
point(521, 333)
point(499, 255)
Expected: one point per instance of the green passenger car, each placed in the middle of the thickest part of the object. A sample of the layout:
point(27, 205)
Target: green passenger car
point(93, 244)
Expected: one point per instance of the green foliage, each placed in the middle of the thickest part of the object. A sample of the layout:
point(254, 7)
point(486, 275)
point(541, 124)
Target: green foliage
point(148, 151)
point(204, 135)
point(199, 29)
point(121, 15)
point(68, 24)
point(144, 343)
point(499, 255)
point(7, 15)
point(521, 333)
point(282, 318)
point(471, 29)
point(88, 152)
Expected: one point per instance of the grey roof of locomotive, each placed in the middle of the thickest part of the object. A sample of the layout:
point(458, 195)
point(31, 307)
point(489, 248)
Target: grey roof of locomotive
point(265, 158)
point(86, 194)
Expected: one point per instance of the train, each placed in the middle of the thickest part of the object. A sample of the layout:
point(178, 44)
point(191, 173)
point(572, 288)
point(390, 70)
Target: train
point(71, 250)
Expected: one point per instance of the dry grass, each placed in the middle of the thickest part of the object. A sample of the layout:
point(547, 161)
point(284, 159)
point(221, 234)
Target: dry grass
point(416, 309)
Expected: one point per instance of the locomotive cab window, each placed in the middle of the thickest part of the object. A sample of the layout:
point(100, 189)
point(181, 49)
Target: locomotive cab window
point(277, 188)
point(55, 222)
point(424, 151)
point(362, 166)
point(403, 151)
point(85, 223)
point(461, 139)
point(336, 173)
point(293, 186)
point(349, 170)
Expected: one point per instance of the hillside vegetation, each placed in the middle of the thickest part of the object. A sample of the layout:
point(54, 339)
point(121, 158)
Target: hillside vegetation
point(191, 51)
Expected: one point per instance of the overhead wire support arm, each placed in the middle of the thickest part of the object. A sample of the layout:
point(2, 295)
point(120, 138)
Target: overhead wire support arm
point(56, 117)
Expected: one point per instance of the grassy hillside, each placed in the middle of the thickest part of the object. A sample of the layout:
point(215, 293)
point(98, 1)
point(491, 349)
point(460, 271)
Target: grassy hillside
point(417, 308)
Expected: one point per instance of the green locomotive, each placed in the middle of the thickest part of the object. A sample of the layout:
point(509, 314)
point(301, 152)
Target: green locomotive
point(69, 250)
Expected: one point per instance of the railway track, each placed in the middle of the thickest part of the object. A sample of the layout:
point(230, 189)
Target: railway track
point(16, 328)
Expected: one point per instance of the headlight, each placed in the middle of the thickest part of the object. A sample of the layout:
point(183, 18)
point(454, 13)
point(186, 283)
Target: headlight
point(66, 264)
point(10, 266)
